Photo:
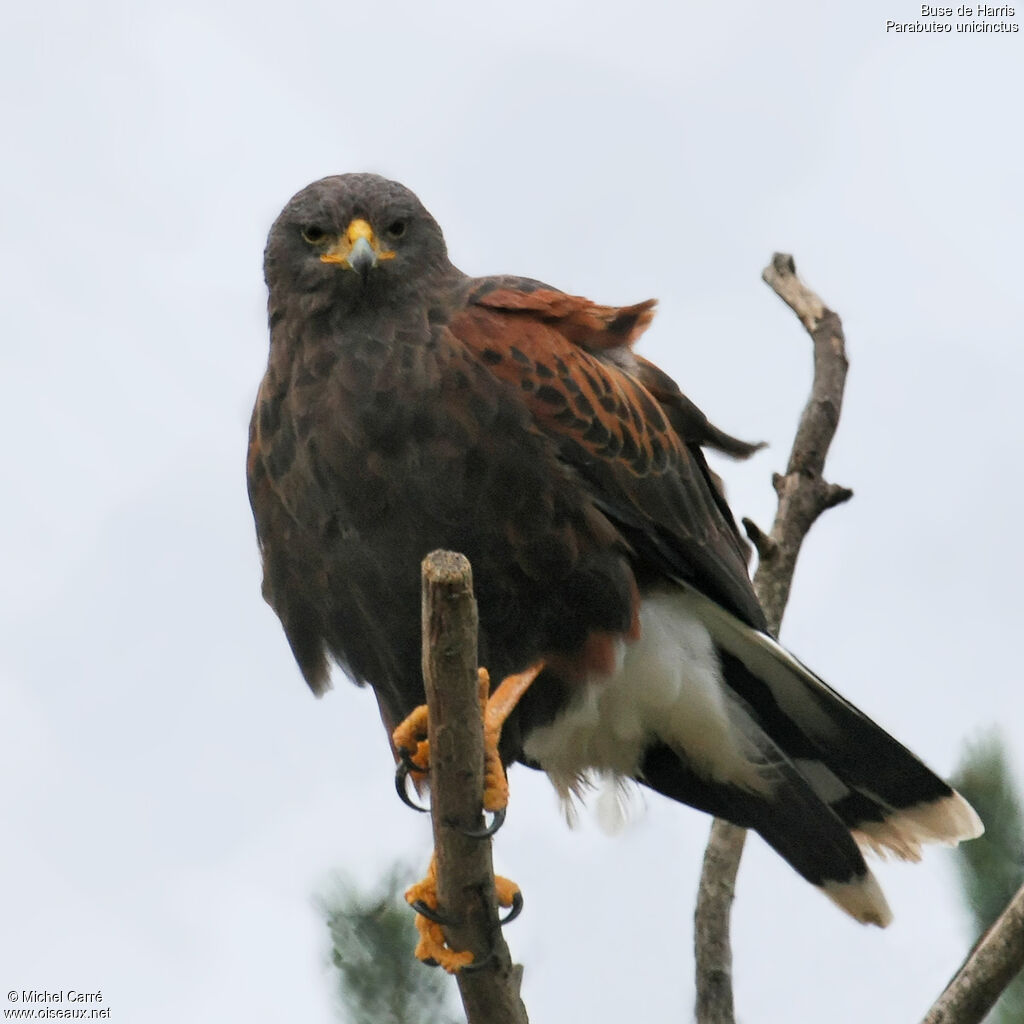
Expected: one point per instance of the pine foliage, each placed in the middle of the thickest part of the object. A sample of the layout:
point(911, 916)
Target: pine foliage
point(372, 939)
point(992, 867)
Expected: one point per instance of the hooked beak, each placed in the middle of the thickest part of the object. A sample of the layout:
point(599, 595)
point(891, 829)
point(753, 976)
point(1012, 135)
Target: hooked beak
point(361, 257)
point(357, 249)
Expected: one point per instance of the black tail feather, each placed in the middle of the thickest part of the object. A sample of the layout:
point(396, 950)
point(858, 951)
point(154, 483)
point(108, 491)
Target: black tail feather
point(877, 787)
point(789, 817)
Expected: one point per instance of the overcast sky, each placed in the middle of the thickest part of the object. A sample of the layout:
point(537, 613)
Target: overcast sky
point(172, 795)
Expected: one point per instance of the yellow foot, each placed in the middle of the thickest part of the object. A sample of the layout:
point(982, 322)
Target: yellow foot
point(509, 895)
point(410, 740)
point(432, 946)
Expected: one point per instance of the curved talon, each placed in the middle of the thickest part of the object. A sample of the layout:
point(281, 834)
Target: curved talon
point(477, 965)
point(517, 909)
point(429, 961)
point(429, 913)
point(406, 758)
point(402, 773)
point(488, 830)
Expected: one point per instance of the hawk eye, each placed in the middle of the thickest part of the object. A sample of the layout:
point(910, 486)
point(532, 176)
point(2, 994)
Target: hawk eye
point(313, 234)
point(396, 229)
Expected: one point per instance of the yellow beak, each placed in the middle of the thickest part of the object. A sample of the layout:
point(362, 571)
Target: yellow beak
point(357, 249)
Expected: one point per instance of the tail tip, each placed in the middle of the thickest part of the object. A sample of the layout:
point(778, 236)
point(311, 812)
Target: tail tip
point(862, 898)
point(949, 820)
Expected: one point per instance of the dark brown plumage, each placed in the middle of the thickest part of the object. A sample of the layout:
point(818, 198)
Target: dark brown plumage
point(368, 454)
point(408, 407)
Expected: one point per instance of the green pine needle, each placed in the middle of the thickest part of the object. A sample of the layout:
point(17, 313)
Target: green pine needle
point(992, 867)
point(373, 937)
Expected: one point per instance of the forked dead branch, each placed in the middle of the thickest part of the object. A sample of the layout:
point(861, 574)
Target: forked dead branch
point(803, 495)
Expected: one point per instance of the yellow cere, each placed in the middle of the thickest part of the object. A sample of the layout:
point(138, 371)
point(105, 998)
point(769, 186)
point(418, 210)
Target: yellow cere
point(359, 228)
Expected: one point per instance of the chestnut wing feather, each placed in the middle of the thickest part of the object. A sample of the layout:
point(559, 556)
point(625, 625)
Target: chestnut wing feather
point(570, 360)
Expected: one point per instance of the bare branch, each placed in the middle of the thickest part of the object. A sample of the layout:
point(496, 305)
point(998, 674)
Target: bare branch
point(803, 496)
point(803, 492)
point(997, 958)
point(465, 874)
point(766, 547)
point(711, 922)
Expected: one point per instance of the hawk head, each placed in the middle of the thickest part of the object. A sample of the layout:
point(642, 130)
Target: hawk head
point(351, 240)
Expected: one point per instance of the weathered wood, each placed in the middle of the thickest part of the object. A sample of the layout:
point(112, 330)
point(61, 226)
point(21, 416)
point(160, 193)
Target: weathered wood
point(997, 958)
point(711, 922)
point(803, 496)
point(465, 874)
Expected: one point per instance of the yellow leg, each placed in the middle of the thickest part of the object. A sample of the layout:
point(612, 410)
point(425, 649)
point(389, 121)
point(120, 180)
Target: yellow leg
point(411, 738)
point(496, 708)
point(411, 735)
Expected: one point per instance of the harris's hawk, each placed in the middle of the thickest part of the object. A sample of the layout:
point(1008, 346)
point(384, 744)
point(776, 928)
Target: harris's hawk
point(408, 407)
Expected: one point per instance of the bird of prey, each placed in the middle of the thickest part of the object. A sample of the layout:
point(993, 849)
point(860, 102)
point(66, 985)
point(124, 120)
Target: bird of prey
point(408, 407)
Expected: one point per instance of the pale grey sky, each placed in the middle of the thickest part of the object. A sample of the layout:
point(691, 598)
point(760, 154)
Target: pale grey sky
point(173, 795)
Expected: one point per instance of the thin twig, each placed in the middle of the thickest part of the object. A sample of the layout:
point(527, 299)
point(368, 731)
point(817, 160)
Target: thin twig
point(465, 874)
point(997, 958)
point(803, 496)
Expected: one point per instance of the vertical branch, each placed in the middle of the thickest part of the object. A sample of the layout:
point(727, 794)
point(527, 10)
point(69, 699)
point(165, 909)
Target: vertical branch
point(712, 943)
point(803, 495)
point(465, 874)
